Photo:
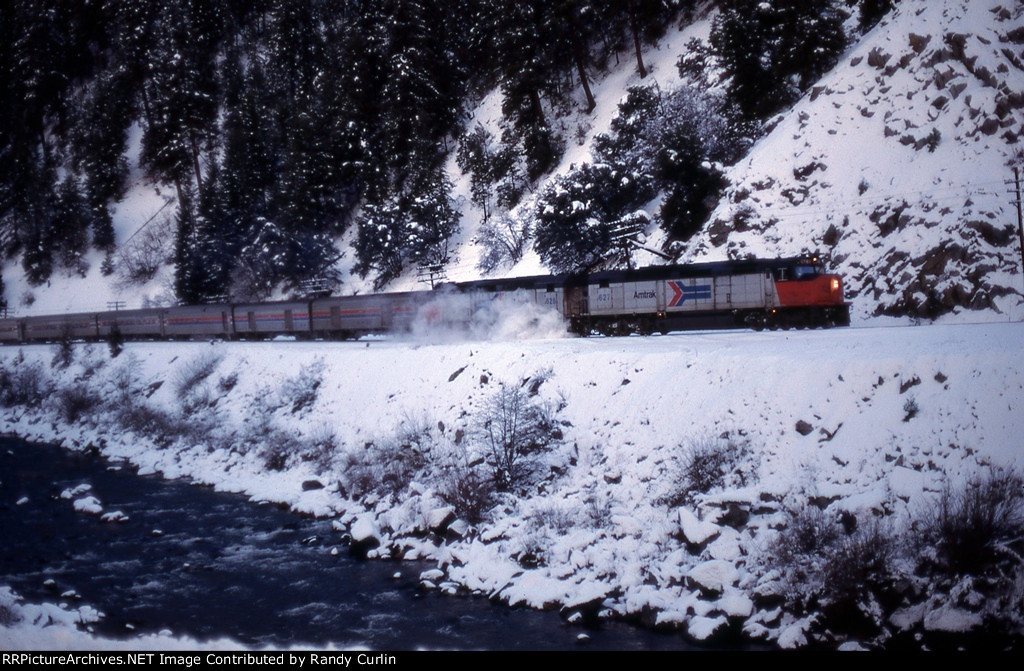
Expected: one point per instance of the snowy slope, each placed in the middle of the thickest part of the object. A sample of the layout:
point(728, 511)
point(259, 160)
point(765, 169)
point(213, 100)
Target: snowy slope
point(896, 164)
point(873, 422)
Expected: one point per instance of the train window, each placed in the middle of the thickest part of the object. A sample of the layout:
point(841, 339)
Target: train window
point(551, 288)
point(603, 284)
point(804, 272)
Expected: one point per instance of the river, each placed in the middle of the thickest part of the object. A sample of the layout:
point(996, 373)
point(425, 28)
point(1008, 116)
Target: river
point(206, 564)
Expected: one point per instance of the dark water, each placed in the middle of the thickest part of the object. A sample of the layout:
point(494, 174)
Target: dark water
point(210, 565)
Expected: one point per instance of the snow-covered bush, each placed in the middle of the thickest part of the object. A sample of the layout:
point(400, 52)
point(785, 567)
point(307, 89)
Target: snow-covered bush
point(832, 564)
point(974, 527)
point(910, 408)
point(513, 425)
point(192, 373)
point(140, 258)
point(133, 413)
point(227, 382)
point(503, 239)
point(300, 391)
point(708, 464)
point(23, 383)
point(126, 379)
point(9, 607)
point(385, 467)
point(115, 341)
point(320, 446)
point(64, 352)
point(464, 487)
point(75, 401)
point(278, 448)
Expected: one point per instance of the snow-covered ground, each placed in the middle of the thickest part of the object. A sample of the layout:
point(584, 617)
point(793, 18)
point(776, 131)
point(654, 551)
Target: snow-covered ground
point(873, 423)
point(52, 627)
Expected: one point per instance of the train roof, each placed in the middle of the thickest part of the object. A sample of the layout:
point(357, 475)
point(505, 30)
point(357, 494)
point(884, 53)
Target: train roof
point(713, 268)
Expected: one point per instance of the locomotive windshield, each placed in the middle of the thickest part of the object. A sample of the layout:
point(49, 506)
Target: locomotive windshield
point(805, 272)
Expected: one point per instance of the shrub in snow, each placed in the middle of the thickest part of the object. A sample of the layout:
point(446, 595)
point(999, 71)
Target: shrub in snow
point(973, 528)
point(513, 425)
point(503, 239)
point(134, 414)
point(320, 446)
point(191, 373)
point(115, 341)
point(189, 379)
point(161, 427)
point(278, 447)
point(75, 401)
point(227, 382)
point(708, 464)
point(140, 257)
point(9, 615)
point(842, 570)
point(126, 382)
point(65, 350)
point(911, 409)
point(465, 488)
point(23, 383)
point(300, 392)
point(385, 467)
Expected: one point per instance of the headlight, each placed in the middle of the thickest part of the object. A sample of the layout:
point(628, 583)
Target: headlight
point(835, 284)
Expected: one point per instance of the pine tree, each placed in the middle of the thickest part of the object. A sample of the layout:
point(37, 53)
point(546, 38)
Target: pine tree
point(774, 51)
point(422, 89)
point(71, 225)
point(180, 96)
point(575, 215)
point(872, 11)
point(412, 226)
point(525, 69)
point(187, 258)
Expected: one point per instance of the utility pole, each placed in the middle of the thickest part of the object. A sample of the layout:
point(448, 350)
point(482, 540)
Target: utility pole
point(1020, 219)
point(432, 273)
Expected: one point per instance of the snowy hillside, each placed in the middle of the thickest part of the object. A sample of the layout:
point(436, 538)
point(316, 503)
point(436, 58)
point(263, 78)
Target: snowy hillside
point(898, 164)
point(655, 474)
point(895, 165)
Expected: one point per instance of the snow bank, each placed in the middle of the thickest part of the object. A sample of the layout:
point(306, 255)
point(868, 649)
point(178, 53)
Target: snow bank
point(868, 423)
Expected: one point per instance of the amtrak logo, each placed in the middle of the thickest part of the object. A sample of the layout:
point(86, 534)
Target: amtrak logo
point(682, 293)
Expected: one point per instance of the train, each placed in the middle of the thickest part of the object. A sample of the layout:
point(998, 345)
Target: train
point(795, 292)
